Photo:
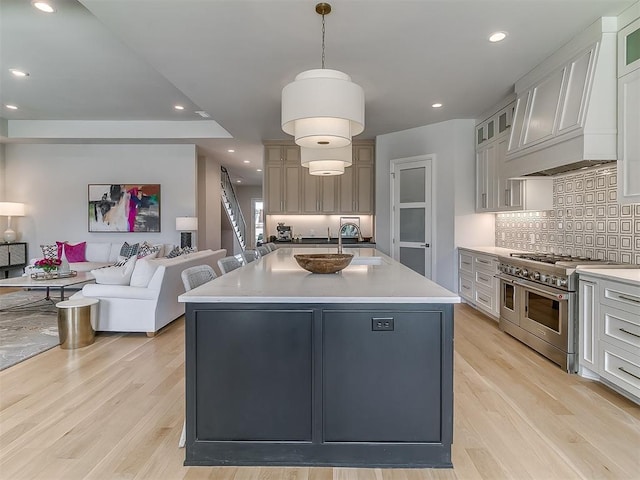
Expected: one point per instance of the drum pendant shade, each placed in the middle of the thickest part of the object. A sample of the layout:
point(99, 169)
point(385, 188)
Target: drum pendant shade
point(323, 108)
point(326, 161)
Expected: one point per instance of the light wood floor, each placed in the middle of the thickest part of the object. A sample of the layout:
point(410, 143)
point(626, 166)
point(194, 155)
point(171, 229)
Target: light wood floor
point(114, 410)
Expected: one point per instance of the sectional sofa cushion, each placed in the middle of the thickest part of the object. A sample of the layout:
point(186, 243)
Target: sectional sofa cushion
point(120, 275)
point(144, 269)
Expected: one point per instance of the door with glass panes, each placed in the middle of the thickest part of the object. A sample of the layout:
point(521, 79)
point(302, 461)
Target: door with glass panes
point(411, 212)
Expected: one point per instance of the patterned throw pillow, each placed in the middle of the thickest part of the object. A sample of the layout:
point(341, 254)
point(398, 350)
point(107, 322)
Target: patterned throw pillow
point(50, 252)
point(127, 251)
point(176, 252)
point(147, 249)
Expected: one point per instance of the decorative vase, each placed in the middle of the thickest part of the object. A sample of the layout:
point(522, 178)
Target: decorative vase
point(64, 264)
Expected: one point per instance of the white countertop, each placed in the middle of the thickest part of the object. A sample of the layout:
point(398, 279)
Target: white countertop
point(496, 251)
point(277, 278)
point(629, 275)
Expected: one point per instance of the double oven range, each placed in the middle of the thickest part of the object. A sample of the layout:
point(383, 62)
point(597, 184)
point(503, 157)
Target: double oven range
point(538, 303)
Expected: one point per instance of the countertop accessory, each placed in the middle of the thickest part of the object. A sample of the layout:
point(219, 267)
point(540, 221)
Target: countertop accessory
point(324, 262)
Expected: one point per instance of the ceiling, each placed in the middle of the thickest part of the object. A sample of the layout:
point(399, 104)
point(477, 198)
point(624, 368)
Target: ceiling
point(133, 60)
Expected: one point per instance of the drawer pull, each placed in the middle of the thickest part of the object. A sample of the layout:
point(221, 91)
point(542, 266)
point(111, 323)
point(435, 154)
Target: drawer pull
point(627, 331)
point(628, 372)
point(631, 299)
point(479, 260)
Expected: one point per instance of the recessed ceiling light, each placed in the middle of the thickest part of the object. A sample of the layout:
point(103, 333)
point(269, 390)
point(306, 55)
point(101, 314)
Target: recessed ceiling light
point(246, 161)
point(18, 73)
point(436, 105)
point(11, 107)
point(238, 181)
point(497, 36)
point(231, 150)
point(43, 6)
point(258, 170)
point(178, 107)
point(203, 114)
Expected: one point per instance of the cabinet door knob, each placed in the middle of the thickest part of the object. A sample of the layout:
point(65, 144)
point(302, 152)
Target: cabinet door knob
point(425, 245)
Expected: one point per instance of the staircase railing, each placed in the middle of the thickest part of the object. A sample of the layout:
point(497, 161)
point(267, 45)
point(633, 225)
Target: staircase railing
point(232, 206)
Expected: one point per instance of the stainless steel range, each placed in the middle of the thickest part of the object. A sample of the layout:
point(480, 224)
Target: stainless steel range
point(538, 303)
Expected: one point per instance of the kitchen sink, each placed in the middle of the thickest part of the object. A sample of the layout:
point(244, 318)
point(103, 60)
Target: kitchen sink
point(366, 260)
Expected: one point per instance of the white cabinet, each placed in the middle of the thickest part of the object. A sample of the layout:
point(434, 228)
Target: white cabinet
point(486, 192)
point(609, 313)
point(554, 105)
point(477, 282)
point(566, 114)
point(629, 114)
point(588, 331)
point(495, 191)
point(491, 138)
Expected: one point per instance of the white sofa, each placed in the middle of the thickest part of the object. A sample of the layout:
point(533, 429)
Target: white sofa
point(124, 308)
point(98, 255)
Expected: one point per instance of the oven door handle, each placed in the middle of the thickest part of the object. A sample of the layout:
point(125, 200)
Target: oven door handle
point(546, 293)
point(505, 279)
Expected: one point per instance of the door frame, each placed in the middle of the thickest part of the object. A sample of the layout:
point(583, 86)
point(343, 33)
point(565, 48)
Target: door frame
point(431, 161)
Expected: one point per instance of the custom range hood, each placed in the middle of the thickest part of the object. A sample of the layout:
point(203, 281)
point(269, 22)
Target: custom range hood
point(565, 113)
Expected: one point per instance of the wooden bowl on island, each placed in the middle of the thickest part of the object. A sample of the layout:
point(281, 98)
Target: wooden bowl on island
point(324, 262)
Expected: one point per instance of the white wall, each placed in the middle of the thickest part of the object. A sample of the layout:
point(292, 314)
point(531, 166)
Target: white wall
point(52, 181)
point(454, 185)
point(2, 173)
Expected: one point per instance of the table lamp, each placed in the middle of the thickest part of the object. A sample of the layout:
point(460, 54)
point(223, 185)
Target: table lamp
point(11, 209)
point(186, 225)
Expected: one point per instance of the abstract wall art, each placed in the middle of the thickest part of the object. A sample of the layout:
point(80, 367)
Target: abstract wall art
point(124, 208)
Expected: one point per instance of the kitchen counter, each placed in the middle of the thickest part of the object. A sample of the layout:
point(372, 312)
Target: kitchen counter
point(289, 368)
point(277, 277)
point(323, 242)
point(629, 275)
point(497, 251)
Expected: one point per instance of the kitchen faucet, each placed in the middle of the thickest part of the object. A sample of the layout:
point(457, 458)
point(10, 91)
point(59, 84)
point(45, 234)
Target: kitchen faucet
point(340, 234)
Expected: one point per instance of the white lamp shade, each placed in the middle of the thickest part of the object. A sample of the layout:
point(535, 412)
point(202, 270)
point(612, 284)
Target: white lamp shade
point(187, 224)
point(326, 168)
point(326, 161)
point(11, 209)
point(322, 108)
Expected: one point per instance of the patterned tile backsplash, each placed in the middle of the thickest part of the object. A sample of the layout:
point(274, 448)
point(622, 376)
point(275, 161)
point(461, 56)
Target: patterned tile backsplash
point(586, 220)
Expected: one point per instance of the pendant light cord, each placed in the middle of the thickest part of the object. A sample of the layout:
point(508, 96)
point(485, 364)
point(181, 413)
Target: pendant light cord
point(323, 30)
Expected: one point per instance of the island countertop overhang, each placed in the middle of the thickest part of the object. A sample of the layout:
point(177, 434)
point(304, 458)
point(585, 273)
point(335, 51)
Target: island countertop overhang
point(277, 278)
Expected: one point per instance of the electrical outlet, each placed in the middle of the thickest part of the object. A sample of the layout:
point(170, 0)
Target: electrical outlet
point(382, 324)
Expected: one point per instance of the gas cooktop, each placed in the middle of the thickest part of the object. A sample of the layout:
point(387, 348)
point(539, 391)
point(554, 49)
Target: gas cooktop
point(559, 259)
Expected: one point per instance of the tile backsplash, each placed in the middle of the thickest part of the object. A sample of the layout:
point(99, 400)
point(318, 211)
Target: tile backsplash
point(586, 220)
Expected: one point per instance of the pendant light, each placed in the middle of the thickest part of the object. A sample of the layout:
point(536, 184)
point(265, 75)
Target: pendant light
point(326, 161)
point(323, 108)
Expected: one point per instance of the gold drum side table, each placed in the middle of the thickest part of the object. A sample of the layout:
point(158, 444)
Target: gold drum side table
point(76, 320)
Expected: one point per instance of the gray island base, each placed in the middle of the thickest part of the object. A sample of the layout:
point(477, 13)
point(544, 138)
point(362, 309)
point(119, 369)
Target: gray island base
point(318, 383)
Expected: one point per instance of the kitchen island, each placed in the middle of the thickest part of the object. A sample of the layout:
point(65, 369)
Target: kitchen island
point(285, 367)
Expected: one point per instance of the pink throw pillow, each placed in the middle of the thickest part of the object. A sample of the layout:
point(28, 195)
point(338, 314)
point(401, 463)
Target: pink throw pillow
point(75, 253)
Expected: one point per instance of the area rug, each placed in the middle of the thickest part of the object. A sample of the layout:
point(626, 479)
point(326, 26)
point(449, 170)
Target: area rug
point(25, 333)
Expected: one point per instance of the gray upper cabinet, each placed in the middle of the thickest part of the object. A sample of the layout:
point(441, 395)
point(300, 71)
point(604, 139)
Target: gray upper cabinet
point(288, 188)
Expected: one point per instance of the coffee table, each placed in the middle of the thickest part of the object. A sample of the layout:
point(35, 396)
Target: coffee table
point(48, 284)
